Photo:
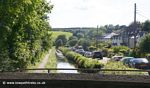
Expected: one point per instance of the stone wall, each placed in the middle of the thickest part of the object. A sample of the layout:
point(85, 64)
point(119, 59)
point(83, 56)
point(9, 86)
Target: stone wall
point(37, 80)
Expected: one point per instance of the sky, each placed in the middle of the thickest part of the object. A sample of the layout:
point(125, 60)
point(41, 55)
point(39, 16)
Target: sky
point(90, 13)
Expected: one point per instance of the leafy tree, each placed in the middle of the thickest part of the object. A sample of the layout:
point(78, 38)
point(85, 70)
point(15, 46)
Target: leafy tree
point(59, 43)
point(146, 26)
point(73, 37)
point(92, 34)
point(80, 35)
point(72, 42)
point(84, 43)
point(92, 48)
point(145, 44)
point(23, 32)
point(63, 38)
point(120, 49)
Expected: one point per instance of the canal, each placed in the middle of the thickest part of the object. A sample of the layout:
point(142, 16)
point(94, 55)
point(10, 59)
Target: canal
point(62, 62)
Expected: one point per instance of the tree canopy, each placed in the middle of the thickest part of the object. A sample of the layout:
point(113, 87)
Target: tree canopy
point(23, 32)
point(62, 38)
point(145, 44)
point(146, 26)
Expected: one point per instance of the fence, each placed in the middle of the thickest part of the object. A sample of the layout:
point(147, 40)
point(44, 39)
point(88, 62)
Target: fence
point(79, 69)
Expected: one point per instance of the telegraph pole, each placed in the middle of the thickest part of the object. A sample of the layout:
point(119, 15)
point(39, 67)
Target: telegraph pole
point(97, 38)
point(135, 26)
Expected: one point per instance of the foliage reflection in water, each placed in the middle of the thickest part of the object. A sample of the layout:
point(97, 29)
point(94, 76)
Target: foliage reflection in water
point(63, 63)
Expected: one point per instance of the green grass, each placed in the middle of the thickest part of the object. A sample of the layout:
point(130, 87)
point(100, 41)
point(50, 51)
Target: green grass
point(57, 33)
point(120, 66)
point(37, 63)
point(52, 62)
point(79, 60)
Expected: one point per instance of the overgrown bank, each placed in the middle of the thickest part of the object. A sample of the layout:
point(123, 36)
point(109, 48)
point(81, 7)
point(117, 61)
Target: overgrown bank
point(120, 66)
point(52, 62)
point(81, 61)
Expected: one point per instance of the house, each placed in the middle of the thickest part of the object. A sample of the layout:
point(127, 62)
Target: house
point(114, 38)
point(108, 37)
point(123, 37)
point(128, 36)
point(117, 40)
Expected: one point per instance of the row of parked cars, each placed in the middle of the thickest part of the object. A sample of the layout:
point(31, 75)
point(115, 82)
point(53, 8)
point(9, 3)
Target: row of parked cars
point(95, 54)
point(139, 63)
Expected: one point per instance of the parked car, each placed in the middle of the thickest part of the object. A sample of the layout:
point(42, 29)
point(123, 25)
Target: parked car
point(80, 51)
point(97, 54)
point(139, 63)
point(88, 54)
point(117, 58)
point(126, 60)
point(73, 48)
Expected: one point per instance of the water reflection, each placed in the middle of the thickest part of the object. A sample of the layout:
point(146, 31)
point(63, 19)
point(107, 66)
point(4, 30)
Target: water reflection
point(63, 63)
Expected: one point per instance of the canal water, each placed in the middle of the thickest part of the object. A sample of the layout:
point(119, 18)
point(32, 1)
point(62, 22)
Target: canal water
point(62, 62)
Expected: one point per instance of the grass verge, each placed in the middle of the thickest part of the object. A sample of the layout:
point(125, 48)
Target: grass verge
point(120, 66)
point(37, 63)
point(52, 62)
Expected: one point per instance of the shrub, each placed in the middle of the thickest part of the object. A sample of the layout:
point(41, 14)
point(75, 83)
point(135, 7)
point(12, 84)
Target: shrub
point(105, 52)
point(92, 48)
point(148, 56)
point(81, 61)
point(120, 49)
point(120, 66)
point(145, 44)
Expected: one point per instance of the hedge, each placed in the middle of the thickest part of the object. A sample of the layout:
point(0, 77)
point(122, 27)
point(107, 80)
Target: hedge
point(118, 65)
point(81, 61)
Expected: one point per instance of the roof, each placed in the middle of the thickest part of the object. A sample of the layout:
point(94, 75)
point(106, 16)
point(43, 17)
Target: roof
point(110, 35)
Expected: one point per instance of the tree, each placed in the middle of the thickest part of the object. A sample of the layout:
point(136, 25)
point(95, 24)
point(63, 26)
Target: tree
point(23, 32)
point(72, 42)
point(63, 38)
point(146, 26)
point(73, 37)
point(144, 45)
point(59, 43)
point(80, 35)
point(84, 43)
point(120, 49)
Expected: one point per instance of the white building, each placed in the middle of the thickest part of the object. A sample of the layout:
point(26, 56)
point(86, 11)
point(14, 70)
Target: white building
point(108, 37)
point(117, 40)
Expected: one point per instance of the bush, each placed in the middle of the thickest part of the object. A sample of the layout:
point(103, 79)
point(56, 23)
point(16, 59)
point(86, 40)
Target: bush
point(148, 56)
point(120, 66)
point(92, 48)
point(135, 53)
point(23, 37)
point(108, 52)
point(72, 42)
point(144, 45)
point(120, 50)
point(105, 52)
point(81, 61)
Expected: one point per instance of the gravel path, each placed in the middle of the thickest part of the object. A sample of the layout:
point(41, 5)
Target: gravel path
point(43, 62)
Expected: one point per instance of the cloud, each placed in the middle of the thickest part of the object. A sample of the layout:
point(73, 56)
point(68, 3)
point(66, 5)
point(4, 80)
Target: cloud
point(69, 13)
point(81, 8)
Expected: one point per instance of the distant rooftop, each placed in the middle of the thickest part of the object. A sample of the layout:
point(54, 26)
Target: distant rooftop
point(107, 36)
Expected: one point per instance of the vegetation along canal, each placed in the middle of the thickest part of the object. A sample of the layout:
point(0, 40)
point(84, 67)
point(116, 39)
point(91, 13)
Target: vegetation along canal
point(62, 62)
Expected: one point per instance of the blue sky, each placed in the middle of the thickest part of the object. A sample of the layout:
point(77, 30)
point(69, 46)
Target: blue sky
point(90, 13)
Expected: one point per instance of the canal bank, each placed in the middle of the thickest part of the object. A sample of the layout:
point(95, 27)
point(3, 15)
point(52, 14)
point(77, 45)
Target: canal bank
point(62, 62)
point(52, 62)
